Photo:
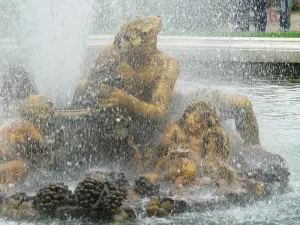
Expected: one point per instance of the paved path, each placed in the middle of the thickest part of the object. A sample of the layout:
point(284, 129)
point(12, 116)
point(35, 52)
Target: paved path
point(295, 23)
point(237, 49)
point(216, 48)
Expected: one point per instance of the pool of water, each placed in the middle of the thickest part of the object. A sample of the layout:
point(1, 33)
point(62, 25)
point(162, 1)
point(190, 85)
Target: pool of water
point(278, 112)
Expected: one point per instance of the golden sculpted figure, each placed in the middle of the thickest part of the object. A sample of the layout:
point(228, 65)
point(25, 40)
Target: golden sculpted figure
point(147, 75)
point(133, 75)
point(204, 146)
point(133, 72)
point(18, 144)
point(22, 143)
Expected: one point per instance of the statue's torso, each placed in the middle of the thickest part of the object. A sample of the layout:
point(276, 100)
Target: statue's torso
point(141, 82)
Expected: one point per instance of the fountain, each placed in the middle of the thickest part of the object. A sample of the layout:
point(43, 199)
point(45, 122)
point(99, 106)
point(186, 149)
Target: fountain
point(55, 33)
point(74, 142)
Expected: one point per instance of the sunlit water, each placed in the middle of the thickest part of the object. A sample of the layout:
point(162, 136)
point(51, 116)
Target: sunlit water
point(278, 114)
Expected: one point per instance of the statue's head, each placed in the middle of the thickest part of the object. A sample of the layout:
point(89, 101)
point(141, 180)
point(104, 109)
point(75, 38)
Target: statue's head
point(138, 37)
point(198, 116)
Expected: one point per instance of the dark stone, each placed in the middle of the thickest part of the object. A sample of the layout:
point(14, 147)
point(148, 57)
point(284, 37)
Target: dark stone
point(145, 188)
point(73, 212)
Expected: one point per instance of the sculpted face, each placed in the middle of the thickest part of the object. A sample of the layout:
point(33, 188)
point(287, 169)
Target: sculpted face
point(138, 37)
point(199, 116)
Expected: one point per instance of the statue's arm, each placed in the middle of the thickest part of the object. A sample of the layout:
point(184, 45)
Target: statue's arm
point(162, 95)
point(86, 90)
point(238, 108)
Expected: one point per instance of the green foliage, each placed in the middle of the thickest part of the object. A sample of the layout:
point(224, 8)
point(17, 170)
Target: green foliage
point(295, 7)
point(274, 3)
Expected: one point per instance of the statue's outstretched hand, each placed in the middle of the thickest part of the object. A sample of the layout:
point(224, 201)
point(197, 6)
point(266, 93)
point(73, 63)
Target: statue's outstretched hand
point(110, 96)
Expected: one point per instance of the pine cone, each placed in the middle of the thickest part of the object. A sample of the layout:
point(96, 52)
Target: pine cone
point(103, 198)
point(145, 188)
point(49, 198)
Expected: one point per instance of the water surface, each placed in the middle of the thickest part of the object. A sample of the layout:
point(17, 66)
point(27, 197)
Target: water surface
point(278, 114)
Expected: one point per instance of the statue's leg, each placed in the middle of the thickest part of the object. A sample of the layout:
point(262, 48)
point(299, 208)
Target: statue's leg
point(11, 172)
point(2, 149)
point(20, 142)
point(156, 174)
point(246, 124)
point(238, 108)
point(180, 170)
